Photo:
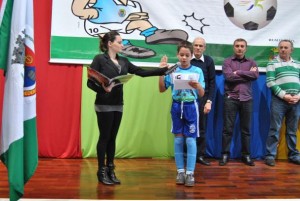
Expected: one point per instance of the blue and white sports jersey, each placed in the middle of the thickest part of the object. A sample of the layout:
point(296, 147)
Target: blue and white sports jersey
point(178, 81)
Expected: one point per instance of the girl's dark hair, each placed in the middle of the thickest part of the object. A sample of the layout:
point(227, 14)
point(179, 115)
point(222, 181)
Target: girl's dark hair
point(185, 44)
point(110, 36)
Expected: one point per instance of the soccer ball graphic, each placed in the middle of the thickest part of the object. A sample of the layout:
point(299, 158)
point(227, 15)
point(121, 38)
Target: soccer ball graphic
point(250, 14)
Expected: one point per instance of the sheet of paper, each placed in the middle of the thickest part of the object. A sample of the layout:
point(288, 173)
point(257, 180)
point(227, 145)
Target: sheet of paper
point(181, 81)
point(182, 84)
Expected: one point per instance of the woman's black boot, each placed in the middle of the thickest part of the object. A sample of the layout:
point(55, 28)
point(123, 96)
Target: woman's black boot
point(111, 174)
point(103, 177)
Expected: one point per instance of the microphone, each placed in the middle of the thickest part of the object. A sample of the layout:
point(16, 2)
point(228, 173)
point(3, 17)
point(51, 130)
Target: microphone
point(172, 68)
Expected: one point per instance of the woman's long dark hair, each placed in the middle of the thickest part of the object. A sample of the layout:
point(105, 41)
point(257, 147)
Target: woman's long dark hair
point(110, 36)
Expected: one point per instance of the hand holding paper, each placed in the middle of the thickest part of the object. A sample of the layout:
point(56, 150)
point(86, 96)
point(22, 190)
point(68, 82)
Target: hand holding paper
point(194, 84)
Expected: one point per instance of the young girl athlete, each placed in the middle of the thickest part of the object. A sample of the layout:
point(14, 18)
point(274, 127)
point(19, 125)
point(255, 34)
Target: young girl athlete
point(184, 110)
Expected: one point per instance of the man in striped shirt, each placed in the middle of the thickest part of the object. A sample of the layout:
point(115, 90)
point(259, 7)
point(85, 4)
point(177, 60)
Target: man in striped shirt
point(283, 78)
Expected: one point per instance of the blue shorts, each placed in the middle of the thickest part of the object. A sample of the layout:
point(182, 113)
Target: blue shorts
point(185, 118)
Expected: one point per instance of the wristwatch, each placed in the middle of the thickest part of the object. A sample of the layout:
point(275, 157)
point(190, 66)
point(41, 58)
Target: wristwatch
point(209, 101)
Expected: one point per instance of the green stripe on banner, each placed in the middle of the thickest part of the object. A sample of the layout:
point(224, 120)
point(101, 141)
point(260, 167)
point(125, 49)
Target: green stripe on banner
point(146, 124)
point(74, 47)
point(86, 48)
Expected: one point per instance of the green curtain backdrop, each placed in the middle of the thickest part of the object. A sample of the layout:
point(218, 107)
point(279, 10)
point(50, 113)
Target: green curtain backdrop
point(146, 124)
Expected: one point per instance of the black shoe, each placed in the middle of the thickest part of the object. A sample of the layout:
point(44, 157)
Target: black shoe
point(103, 177)
point(247, 160)
point(270, 162)
point(297, 162)
point(202, 161)
point(111, 174)
point(224, 160)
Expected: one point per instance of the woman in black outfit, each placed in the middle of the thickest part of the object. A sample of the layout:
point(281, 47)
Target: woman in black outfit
point(109, 101)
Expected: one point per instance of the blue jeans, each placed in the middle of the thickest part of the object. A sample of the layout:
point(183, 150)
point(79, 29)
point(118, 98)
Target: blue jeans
point(191, 153)
point(279, 110)
point(231, 109)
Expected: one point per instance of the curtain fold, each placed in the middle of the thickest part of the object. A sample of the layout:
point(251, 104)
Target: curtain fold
point(146, 124)
point(58, 94)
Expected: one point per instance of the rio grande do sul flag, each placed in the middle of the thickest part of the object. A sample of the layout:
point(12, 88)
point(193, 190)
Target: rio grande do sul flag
point(18, 147)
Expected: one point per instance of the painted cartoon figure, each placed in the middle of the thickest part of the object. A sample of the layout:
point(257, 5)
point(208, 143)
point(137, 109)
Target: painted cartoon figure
point(124, 16)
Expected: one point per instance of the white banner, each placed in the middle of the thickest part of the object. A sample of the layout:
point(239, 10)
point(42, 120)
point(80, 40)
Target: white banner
point(156, 26)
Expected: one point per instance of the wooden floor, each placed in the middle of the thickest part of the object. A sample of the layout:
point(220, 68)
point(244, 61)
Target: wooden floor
point(155, 179)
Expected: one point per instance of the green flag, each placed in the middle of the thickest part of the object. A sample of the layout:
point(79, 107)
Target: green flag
point(18, 148)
